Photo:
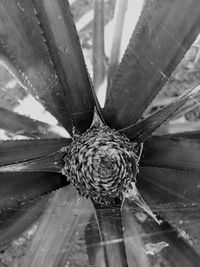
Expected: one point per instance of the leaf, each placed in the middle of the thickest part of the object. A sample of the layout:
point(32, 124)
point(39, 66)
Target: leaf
point(172, 152)
point(174, 195)
point(111, 232)
point(62, 40)
point(144, 128)
point(50, 163)
point(24, 52)
point(193, 134)
point(93, 244)
point(19, 124)
point(119, 17)
point(19, 187)
point(149, 244)
point(14, 221)
point(99, 60)
point(18, 150)
point(61, 226)
point(178, 128)
point(162, 36)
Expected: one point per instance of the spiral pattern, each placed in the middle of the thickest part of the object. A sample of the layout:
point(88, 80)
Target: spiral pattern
point(101, 163)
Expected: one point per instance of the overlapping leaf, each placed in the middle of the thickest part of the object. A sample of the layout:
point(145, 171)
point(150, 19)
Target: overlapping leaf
point(174, 152)
point(61, 226)
point(111, 232)
point(62, 40)
point(15, 220)
point(149, 244)
point(19, 150)
point(98, 45)
point(161, 38)
point(22, 125)
point(174, 195)
point(24, 52)
point(144, 128)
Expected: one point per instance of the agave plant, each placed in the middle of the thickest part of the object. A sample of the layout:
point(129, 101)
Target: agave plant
point(116, 160)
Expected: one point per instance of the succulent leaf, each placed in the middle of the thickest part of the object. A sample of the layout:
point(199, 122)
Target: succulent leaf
point(24, 52)
point(179, 152)
point(99, 59)
point(16, 220)
point(144, 128)
point(61, 226)
point(62, 41)
point(20, 150)
point(162, 36)
point(111, 232)
point(150, 244)
point(22, 125)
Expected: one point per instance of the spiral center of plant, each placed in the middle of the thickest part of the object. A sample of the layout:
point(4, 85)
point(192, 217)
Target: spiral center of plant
point(101, 164)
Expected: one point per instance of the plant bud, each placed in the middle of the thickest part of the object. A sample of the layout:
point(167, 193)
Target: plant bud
point(101, 164)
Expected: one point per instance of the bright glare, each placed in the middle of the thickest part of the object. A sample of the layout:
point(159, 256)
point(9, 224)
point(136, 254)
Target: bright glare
point(132, 14)
point(32, 108)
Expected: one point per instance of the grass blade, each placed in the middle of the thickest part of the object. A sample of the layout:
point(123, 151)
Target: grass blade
point(172, 152)
point(14, 221)
point(19, 124)
point(143, 129)
point(62, 40)
point(162, 36)
point(98, 45)
point(61, 226)
point(19, 150)
point(149, 244)
point(119, 17)
point(24, 52)
point(111, 232)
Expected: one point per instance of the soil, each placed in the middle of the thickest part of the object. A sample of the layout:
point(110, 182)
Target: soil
point(186, 75)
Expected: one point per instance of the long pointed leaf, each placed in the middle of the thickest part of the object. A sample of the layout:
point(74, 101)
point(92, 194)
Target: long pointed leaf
point(14, 221)
point(149, 244)
point(172, 152)
point(111, 232)
point(18, 150)
point(19, 187)
point(62, 40)
point(119, 17)
point(24, 52)
point(23, 125)
point(61, 226)
point(161, 38)
point(93, 244)
point(98, 45)
point(50, 163)
point(174, 195)
point(143, 129)
point(178, 128)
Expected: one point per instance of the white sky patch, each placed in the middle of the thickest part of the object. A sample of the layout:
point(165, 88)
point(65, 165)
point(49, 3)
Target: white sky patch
point(84, 20)
point(132, 14)
point(4, 135)
point(33, 109)
point(72, 1)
